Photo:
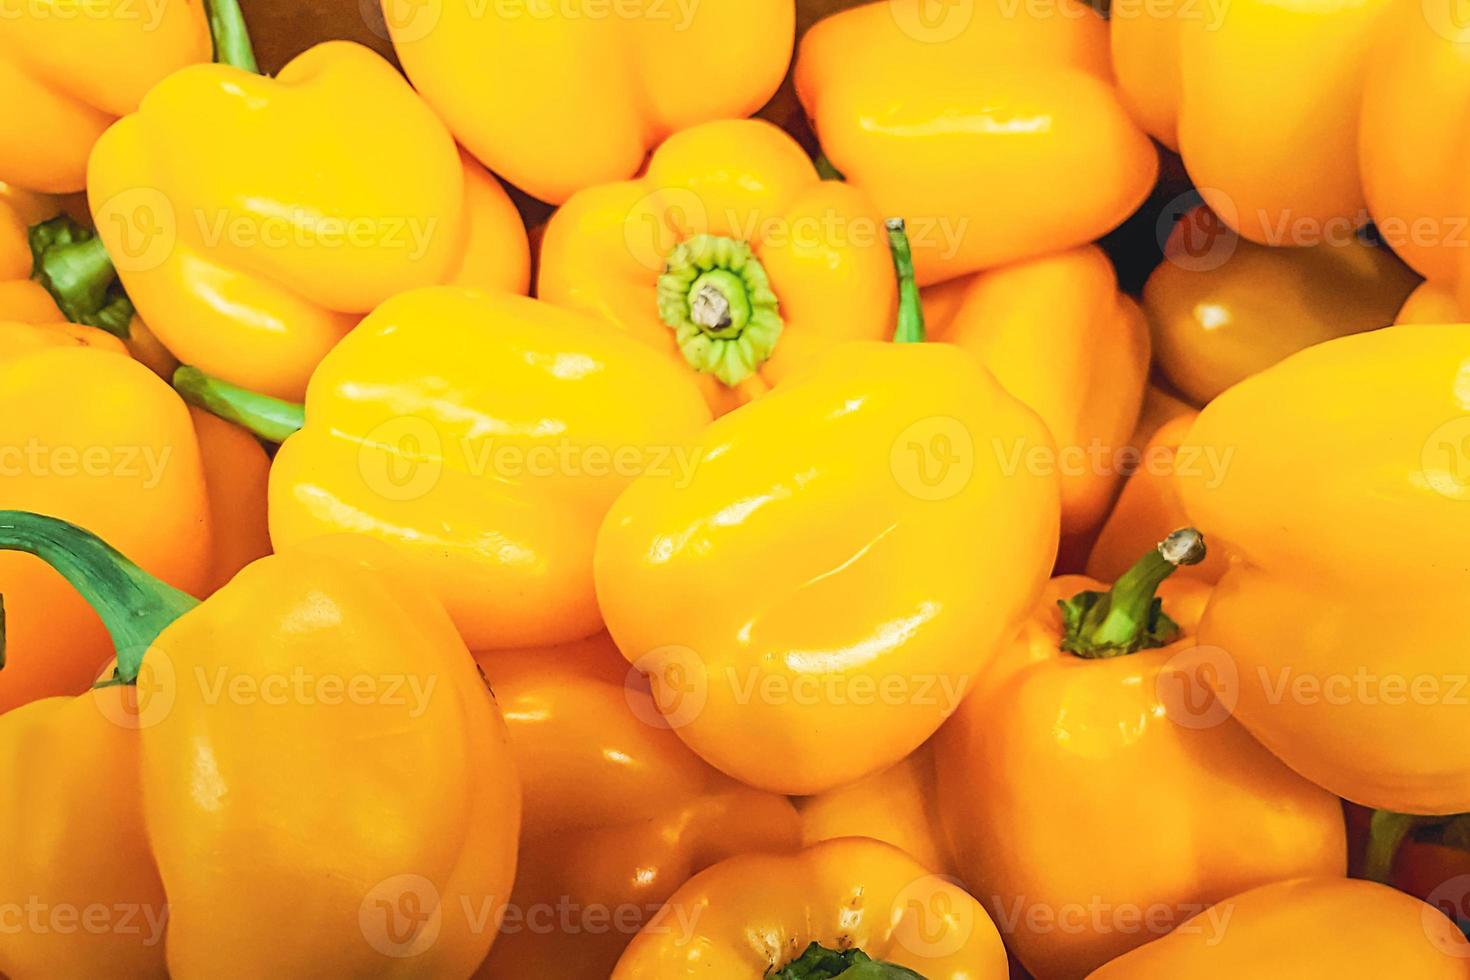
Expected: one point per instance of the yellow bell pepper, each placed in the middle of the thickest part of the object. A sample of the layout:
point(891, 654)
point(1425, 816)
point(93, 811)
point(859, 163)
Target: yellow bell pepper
point(1223, 308)
point(850, 904)
point(1094, 739)
point(254, 220)
point(1432, 302)
point(995, 130)
point(618, 812)
point(69, 70)
point(315, 738)
point(1058, 335)
point(1345, 497)
point(849, 549)
point(1308, 929)
point(556, 97)
point(1262, 100)
point(730, 254)
point(484, 436)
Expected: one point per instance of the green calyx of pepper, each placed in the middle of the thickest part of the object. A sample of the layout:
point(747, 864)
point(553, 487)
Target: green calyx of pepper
point(72, 264)
point(1129, 617)
point(715, 295)
point(1389, 831)
point(270, 419)
point(231, 39)
point(910, 306)
point(133, 605)
point(820, 963)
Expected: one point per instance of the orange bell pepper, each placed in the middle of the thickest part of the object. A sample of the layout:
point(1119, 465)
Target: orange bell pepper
point(310, 687)
point(1349, 662)
point(730, 254)
point(585, 91)
point(870, 474)
point(1223, 308)
point(1058, 335)
point(254, 220)
point(968, 122)
point(1103, 693)
point(1432, 302)
point(1308, 929)
point(844, 905)
point(236, 474)
point(490, 478)
point(618, 812)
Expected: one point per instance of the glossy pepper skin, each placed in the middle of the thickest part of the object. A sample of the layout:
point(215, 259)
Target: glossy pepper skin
point(808, 258)
point(592, 94)
point(1057, 335)
point(1169, 805)
point(752, 916)
point(967, 123)
point(1346, 663)
point(618, 812)
point(1222, 308)
point(1311, 929)
point(907, 553)
point(484, 436)
point(1262, 100)
point(69, 73)
point(254, 220)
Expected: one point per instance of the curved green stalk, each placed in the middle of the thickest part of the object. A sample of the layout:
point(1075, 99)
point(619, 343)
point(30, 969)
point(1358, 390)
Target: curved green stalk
point(1129, 617)
point(820, 963)
point(272, 419)
point(72, 264)
point(231, 39)
point(910, 306)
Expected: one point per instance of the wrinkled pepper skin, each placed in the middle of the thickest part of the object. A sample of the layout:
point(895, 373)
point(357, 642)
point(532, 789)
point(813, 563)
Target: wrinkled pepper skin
point(484, 436)
point(822, 246)
point(1217, 321)
point(1169, 805)
point(135, 476)
point(907, 554)
point(592, 94)
point(75, 844)
point(254, 220)
point(750, 916)
point(1346, 501)
point(1058, 335)
point(618, 812)
point(1309, 929)
point(967, 124)
point(1262, 100)
point(69, 71)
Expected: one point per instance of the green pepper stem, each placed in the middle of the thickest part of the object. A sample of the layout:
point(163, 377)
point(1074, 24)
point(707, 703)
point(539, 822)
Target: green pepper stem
point(231, 38)
point(72, 264)
point(134, 606)
point(820, 963)
point(826, 170)
point(1387, 832)
point(1129, 617)
point(716, 297)
point(910, 306)
point(272, 419)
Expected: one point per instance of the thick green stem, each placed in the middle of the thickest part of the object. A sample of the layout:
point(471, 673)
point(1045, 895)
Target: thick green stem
point(134, 606)
point(716, 296)
point(1129, 617)
point(910, 306)
point(1387, 832)
point(73, 265)
point(231, 39)
point(826, 170)
point(272, 419)
point(820, 963)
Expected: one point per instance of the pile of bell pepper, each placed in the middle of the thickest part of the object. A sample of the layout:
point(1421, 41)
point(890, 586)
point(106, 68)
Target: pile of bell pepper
point(735, 489)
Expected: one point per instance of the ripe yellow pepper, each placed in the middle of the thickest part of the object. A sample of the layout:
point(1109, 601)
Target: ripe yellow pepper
point(69, 70)
point(1310, 929)
point(969, 123)
point(582, 95)
point(1261, 99)
point(1345, 497)
point(254, 220)
point(730, 254)
point(483, 435)
point(1102, 693)
point(868, 476)
point(1058, 335)
point(1432, 302)
point(1223, 308)
point(315, 730)
point(618, 812)
point(844, 904)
